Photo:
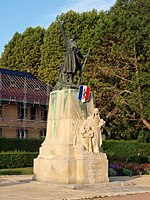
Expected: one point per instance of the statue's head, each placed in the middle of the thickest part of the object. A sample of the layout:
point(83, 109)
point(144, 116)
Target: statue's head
point(96, 112)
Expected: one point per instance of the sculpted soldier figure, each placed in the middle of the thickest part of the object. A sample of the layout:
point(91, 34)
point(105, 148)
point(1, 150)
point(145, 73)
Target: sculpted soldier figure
point(73, 56)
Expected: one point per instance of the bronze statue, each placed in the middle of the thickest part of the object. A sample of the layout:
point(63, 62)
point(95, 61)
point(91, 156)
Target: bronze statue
point(73, 57)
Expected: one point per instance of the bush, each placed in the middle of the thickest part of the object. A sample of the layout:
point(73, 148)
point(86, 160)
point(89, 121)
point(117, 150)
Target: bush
point(127, 172)
point(143, 136)
point(15, 144)
point(17, 171)
point(16, 159)
point(148, 159)
point(127, 151)
point(128, 169)
point(111, 172)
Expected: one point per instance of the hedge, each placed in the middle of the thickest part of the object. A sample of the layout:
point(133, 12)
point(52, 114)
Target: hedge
point(16, 144)
point(127, 151)
point(117, 150)
point(17, 171)
point(16, 159)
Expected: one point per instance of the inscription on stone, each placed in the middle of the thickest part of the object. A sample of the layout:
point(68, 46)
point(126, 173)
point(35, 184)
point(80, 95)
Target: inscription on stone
point(94, 171)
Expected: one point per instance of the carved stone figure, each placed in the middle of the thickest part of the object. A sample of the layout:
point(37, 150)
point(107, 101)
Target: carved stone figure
point(96, 124)
point(87, 135)
point(73, 57)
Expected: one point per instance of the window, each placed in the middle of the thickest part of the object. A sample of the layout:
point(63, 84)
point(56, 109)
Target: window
point(0, 132)
point(0, 111)
point(21, 111)
point(22, 133)
point(44, 112)
point(42, 133)
point(33, 112)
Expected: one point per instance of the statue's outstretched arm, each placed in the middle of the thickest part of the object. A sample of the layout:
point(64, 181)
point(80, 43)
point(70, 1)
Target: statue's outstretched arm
point(63, 32)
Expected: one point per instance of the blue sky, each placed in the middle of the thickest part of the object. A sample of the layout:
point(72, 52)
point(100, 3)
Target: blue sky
point(17, 15)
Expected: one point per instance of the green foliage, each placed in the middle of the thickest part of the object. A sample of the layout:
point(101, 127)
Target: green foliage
point(126, 151)
point(51, 55)
point(123, 62)
point(17, 171)
point(143, 136)
point(23, 52)
point(13, 144)
point(117, 69)
point(111, 172)
point(127, 172)
point(16, 159)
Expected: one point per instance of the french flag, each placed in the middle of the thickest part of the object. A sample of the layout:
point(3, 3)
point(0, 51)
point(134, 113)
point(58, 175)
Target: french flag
point(84, 93)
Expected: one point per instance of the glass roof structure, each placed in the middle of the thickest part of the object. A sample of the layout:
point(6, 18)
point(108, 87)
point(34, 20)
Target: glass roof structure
point(18, 86)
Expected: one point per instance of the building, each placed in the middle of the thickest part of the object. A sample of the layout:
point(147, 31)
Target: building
point(23, 105)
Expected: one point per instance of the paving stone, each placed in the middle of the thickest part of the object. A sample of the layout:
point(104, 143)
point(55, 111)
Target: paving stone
point(23, 187)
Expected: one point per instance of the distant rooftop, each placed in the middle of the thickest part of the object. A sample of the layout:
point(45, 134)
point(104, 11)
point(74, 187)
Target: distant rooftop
point(16, 73)
point(20, 86)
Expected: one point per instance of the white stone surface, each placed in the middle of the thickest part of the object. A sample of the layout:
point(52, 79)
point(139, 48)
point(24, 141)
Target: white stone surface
point(62, 157)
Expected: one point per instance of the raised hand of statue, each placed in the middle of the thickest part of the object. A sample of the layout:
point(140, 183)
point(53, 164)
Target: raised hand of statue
point(61, 22)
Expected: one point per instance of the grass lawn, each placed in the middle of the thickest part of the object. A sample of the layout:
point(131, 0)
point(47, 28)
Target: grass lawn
point(17, 171)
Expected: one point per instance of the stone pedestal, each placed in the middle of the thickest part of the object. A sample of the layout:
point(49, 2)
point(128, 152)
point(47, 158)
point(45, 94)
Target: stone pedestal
point(62, 158)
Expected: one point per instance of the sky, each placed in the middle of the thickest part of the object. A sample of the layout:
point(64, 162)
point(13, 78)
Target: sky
point(17, 15)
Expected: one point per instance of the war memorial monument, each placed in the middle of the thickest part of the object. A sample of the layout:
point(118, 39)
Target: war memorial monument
point(71, 152)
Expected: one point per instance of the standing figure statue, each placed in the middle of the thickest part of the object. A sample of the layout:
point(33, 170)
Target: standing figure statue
point(87, 135)
point(73, 57)
point(96, 125)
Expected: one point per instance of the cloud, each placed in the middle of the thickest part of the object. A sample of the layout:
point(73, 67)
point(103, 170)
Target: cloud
point(87, 5)
point(78, 6)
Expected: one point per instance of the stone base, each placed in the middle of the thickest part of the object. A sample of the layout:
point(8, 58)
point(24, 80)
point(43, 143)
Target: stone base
point(84, 169)
point(92, 168)
point(62, 158)
point(56, 169)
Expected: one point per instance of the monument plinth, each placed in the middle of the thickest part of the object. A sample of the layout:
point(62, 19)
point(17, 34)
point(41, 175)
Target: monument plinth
point(69, 153)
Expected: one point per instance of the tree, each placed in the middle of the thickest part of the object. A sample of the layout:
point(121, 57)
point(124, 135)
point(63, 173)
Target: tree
point(122, 45)
point(23, 51)
point(117, 68)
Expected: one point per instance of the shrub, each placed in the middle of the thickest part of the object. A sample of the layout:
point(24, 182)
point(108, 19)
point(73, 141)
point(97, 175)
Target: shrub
point(143, 136)
point(128, 169)
point(16, 144)
point(111, 172)
point(16, 159)
point(17, 171)
point(127, 172)
point(127, 151)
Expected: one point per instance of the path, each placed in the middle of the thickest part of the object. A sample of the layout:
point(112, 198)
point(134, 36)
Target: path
point(22, 187)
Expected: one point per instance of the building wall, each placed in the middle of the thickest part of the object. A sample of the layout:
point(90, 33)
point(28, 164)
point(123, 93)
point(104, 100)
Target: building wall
point(8, 132)
point(11, 126)
point(9, 110)
point(34, 133)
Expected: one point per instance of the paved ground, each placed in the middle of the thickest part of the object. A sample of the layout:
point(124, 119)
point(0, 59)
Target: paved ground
point(144, 196)
point(119, 188)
